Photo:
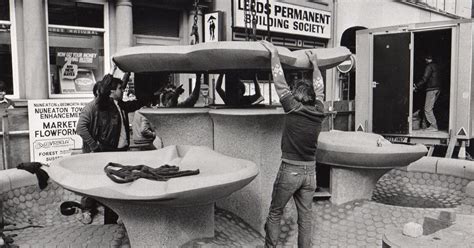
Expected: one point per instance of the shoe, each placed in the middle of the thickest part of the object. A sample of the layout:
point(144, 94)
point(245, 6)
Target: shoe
point(432, 129)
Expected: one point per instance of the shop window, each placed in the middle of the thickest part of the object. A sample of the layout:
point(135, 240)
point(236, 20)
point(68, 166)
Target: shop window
point(4, 10)
point(155, 21)
point(76, 53)
point(6, 72)
point(75, 14)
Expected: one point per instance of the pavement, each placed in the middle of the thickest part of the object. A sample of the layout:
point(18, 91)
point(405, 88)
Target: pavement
point(399, 197)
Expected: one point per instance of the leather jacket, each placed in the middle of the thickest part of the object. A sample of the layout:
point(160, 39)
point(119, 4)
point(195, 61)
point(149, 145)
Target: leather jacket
point(100, 128)
point(431, 78)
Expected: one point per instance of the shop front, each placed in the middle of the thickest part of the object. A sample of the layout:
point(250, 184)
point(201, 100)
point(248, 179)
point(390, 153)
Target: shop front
point(291, 24)
point(56, 50)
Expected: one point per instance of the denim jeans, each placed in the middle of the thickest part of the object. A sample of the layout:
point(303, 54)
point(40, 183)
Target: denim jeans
point(299, 182)
point(430, 100)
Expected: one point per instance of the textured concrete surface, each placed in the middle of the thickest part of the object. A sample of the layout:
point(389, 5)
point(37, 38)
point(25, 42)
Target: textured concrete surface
point(360, 223)
point(459, 234)
point(259, 142)
point(349, 184)
point(420, 189)
point(72, 236)
point(29, 206)
point(157, 226)
point(185, 126)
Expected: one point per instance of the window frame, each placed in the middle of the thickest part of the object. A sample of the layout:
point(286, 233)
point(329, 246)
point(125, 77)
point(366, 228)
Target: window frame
point(13, 50)
point(106, 34)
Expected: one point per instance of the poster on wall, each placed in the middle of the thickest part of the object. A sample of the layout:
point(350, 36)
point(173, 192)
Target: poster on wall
point(282, 17)
point(212, 27)
point(76, 66)
point(53, 128)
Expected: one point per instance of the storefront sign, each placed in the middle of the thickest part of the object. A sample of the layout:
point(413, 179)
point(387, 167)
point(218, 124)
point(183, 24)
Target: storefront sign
point(72, 31)
point(76, 69)
point(212, 27)
point(52, 125)
point(282, 17)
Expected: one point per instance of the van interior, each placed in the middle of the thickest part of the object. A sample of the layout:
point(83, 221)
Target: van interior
point(436, 43)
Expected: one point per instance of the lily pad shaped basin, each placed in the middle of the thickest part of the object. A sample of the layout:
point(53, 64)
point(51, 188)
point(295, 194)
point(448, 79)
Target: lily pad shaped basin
point(219, 175)
point(365, 150)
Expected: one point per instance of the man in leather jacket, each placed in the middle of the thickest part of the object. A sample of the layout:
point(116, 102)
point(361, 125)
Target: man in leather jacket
point(431, 81)
point(103, 124)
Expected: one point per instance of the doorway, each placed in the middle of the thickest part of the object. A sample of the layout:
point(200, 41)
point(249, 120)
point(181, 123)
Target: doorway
point(398, 62)
point(436, 43)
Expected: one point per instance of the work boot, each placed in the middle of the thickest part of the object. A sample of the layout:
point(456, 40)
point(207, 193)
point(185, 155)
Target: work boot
point(432, 129)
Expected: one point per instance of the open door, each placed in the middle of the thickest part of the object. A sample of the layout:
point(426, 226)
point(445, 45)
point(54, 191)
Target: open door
point(391, 86)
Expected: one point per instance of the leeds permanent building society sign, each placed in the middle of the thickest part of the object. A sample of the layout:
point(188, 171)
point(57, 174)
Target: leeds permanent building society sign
point(282, 17)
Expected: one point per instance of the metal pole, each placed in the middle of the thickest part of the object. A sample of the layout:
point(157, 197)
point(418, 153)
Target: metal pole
point(5, 140)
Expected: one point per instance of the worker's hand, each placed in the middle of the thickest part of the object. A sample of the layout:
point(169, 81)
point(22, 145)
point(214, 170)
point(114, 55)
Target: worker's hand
point(313, 57)
point(270, 47)
point(179, 90)
point(415, 88)
point(98, 149)
point(126, 78)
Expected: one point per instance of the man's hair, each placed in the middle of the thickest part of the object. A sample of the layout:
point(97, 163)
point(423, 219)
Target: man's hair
point(105, 87)
point(303, 91)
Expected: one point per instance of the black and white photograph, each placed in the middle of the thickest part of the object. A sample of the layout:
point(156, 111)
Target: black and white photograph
point(236, 123)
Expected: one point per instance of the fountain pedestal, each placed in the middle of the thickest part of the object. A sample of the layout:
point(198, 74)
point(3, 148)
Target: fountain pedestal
point(349, 184)
point(358, 160)
point(159, 213)
point(153, 225)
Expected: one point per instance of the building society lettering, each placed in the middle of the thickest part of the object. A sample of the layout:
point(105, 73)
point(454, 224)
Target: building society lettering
point(283, 17)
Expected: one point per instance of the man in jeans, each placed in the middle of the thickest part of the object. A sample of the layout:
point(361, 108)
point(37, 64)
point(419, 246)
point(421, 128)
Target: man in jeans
point(432, 83)
point(304, 112)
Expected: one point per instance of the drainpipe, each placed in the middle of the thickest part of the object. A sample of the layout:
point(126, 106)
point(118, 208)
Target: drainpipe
point(334, 71)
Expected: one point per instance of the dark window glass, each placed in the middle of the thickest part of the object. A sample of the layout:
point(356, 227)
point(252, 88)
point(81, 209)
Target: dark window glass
point(6, 73)
point(4, 10)
point(154, 21)
point(76, 14)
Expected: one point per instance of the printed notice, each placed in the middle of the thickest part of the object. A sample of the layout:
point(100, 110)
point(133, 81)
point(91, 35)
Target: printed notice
point(53, 128)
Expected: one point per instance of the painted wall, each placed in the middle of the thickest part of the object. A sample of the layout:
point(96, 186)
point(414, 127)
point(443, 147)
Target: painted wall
point(381, 13)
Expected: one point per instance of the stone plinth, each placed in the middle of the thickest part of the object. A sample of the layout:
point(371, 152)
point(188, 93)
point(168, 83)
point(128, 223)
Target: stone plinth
point(359, 159)
point(150, 225)
point(348, 184)
point(255, 135)
point(182, 126)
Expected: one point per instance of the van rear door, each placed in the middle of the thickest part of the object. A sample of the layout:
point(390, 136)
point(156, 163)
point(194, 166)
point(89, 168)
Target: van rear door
point(391, 83)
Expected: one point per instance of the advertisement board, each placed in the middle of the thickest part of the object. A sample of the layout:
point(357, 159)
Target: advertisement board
point(282, 17)
point(52, 125)
point(212, 27)
point(76, 67)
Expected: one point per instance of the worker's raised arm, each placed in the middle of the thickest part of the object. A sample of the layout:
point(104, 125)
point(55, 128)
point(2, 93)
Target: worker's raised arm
point(219, 89)
point(318, 83)
point(257, 86)
point(279, 80)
